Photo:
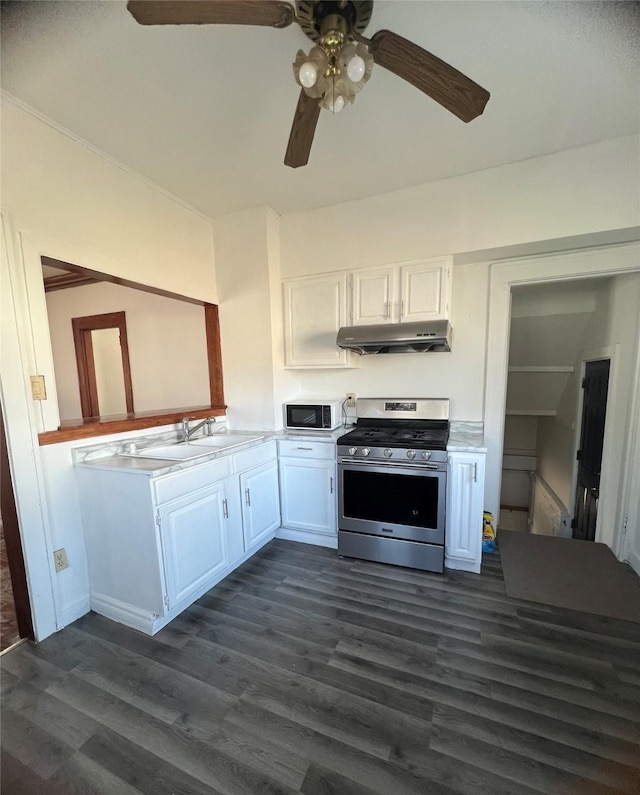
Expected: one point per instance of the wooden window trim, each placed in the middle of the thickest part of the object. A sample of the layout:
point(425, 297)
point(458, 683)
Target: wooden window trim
point(91, 426)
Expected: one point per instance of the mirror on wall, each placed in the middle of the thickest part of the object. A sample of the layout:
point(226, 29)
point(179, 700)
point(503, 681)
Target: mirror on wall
point(120, 347)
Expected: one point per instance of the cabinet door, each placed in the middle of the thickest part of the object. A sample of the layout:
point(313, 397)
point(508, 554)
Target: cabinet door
point(260, 504)
point(424, 290)
point(373, 296)
point(193, 536)
point(465, 495)
point(308, 495)
point(314, 310)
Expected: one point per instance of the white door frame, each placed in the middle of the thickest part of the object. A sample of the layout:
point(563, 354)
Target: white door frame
point(503, 276)
point(22, 442)
point(628, 540)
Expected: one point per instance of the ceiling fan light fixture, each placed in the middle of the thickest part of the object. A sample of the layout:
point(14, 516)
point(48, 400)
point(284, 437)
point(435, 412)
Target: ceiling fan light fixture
point(308, 74)
point(310, 71)
point(355, 69)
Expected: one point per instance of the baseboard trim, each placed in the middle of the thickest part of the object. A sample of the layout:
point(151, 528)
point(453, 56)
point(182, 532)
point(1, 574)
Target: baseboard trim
point(316, 539)
point(462, 565)
point(74, 611)
point(123, 613)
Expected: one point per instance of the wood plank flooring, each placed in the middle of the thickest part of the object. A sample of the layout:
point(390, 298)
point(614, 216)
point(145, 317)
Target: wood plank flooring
point(307, 673)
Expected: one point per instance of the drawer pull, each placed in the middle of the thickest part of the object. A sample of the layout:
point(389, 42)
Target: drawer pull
point(305, 448)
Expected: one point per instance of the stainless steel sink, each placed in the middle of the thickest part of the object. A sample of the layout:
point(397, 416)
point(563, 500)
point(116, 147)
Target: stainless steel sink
point(196, 448)
point(169, 452)
point(223, 441)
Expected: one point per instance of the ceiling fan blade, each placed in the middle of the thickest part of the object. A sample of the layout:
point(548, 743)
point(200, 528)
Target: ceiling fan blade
point(271, 13)
point(453, 90)
point(302, 131)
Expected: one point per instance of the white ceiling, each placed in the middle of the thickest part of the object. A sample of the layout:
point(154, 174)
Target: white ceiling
point(205, 111)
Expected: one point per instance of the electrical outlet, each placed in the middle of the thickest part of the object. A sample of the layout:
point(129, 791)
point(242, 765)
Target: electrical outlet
point(351, 400)
point(60, 559)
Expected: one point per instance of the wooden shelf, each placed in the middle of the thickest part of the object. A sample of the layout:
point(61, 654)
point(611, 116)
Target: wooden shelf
point(531, 412)
point(560, 368)
point(102, 426)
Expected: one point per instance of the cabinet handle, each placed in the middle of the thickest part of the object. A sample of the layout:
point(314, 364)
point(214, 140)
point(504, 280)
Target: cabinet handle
point(304, 448)
point(331, 481)
point(225, 508)
point(247, 497)
point(401, 309)
point(475, 473)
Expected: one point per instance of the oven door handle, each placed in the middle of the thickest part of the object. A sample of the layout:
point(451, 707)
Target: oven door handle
point(392, 465)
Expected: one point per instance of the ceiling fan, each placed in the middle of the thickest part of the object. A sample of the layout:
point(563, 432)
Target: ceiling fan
point(339, 64)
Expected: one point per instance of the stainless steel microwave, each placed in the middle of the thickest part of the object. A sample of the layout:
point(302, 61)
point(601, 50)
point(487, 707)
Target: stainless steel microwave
point(313, 415)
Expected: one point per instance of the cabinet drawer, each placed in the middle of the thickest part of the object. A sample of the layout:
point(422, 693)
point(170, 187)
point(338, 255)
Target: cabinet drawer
point(304, 449)
point(170, 487)
point(254, 456)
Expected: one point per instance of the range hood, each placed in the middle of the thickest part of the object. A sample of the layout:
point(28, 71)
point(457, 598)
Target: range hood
point(429, 335)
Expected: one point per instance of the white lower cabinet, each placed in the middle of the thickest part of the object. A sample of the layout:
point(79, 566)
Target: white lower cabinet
point(155, 545)
point(260, 504)
point(194, 544)
point(465, 497)
point(308, 491)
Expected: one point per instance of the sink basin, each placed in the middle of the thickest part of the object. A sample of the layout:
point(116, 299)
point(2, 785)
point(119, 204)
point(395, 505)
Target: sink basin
point(170, 452)
point(181, 451)
point(223, 441)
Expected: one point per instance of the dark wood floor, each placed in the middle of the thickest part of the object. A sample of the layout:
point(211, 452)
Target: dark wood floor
point(308, 673)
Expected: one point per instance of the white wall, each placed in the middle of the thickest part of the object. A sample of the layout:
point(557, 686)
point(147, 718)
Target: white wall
point(571, 193)
point(244, 257)
point(574, 192)
point(60, 189)
point(621, 337)
point(166, 339)
point(521, 433)
point(64, 200)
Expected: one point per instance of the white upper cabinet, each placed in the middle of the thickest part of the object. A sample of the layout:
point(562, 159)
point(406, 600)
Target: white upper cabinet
point(314, 310)
point(373, 296)
point(401, 293)
point(316, 307)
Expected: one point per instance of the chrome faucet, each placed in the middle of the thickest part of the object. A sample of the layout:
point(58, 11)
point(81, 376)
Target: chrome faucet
point(188, 433)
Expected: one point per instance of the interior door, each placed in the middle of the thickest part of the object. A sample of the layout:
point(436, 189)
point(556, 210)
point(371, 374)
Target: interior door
point(594, 407)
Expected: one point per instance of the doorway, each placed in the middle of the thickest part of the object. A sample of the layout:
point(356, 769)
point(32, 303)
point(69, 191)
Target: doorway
point(102, 357)
point(595, 388)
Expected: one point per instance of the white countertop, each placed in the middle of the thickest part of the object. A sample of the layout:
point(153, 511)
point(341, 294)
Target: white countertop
point(113, 455)
point(464, 437)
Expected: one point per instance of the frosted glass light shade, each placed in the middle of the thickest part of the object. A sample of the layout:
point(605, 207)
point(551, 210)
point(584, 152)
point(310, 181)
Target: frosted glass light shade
point(337, 104)
point(308, 74)
point(313, 83)
point(355, 68)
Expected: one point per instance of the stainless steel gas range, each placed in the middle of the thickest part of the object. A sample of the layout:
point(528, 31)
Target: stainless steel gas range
point(392, 482)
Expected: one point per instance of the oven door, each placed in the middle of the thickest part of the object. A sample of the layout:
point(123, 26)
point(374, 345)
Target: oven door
point(393, 500)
